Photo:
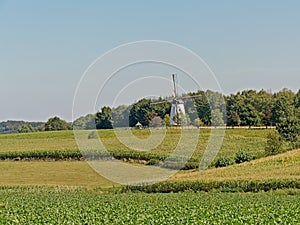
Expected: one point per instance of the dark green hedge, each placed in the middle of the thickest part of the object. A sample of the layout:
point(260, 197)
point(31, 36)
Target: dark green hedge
point(232, 186)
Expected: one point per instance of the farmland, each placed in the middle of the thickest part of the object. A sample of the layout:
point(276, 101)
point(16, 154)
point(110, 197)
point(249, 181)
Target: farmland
point(64, 143)
point(79, 206)
point(44, 180)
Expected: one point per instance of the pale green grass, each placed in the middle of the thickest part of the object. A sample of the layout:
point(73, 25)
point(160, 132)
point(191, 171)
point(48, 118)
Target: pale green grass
point(282, 166)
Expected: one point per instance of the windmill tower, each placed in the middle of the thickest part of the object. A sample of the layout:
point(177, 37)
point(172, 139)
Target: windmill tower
point(177, 114)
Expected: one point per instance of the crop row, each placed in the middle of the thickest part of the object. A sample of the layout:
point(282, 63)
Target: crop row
point(232, 186)
point(148, 158)
point(38, 206)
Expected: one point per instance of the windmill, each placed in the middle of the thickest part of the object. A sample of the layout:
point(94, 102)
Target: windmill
point(177, 114)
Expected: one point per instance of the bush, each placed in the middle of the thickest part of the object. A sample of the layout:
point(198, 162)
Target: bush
point(93, 135)
point(153, 162)
point(224, 161)
point(274, 143)
point(243, 156)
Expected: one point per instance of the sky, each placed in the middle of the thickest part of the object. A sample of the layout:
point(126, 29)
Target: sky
point(46, 47)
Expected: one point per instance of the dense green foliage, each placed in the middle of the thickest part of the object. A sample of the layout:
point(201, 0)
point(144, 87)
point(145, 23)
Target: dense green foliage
point(16, 126)
point(243, 156)
point(246, 108)
point(224, 161)
point(87, 122)
point(56, 123)
point(289, 129)
point(104, 118)
point(78, 206)
point(274, 143)
point(234, 185)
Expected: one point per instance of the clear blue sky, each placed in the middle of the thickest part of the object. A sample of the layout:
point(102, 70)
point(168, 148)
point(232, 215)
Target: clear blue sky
point(45, 46)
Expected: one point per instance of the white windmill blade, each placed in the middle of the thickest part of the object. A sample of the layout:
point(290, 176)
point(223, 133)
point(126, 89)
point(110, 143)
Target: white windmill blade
point(155, 103)
point(191, 96)
point(174, 86)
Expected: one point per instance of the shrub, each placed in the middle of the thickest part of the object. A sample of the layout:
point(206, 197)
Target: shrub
point(224, 161)
point(274, 143)
point(93, 135)
point(153, 162)
point(243, 156)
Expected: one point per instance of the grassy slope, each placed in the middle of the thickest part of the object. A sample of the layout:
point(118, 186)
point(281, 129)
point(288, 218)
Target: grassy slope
point(78, 173)
point(282, 166)
point(234, 140)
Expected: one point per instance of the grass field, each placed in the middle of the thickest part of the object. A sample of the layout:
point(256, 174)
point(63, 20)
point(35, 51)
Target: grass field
point(51, 173)
point(78, 173)
point(282, 166)
point(234, 140)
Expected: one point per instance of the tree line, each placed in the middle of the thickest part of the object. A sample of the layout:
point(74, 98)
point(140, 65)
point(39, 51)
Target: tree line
point(246, 108)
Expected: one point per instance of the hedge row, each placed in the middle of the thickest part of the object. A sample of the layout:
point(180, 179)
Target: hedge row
point(151, 159)
point(226, 186)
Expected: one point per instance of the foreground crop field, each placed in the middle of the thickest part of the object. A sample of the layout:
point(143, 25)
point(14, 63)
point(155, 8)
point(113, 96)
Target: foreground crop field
point(75, 206)
point(44, 180)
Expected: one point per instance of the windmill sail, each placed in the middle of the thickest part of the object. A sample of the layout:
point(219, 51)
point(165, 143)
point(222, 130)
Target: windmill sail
point(177, 114)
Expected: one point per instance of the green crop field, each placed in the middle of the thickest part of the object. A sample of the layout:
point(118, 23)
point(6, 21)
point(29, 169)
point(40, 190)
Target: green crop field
point(64, 143)
point(44, 180)
point(78, 206)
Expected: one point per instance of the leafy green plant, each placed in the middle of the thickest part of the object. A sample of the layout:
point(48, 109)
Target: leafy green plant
point(32, 205)
point(243, 156)
point(224, 161)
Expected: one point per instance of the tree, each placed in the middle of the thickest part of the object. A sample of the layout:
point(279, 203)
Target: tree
point(297, 99)
point(104, 118)
point(26, 129)
point(249, 116)
point(297, 104)
point(263, 104)
point(120, 116)
point(162, 108)
point(197, 122)
point(156, 122)
point(85, 122)
point(167, 120)
point(203, 108)
point(266, 117)
point(289, 129)
point(217, 118)
point(141, 112)
point(283, 106)
point(56, 123)
point(233, 107)
point(233, 119)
